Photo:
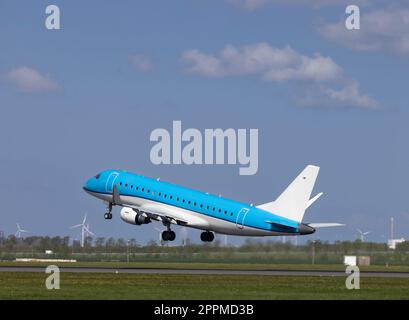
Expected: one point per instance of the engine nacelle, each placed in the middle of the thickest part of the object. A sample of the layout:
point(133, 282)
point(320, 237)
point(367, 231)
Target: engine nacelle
point(132, 216)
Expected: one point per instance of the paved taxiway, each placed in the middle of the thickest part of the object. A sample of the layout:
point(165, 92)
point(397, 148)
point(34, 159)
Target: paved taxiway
point(205, 271)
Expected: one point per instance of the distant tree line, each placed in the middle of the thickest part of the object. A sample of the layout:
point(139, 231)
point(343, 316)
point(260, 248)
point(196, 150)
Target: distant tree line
point(64, 245)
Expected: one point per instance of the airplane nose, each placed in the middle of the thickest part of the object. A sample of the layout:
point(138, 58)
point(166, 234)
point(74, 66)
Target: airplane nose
point(304, 229)
point(88, 185)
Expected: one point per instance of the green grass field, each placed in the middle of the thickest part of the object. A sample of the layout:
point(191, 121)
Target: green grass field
point(22, 285)
point(212, 265)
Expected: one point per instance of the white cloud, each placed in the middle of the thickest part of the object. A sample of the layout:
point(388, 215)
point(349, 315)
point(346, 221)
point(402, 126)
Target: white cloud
point(30, 80)
point(273, 64)
point(346, 96)
point(255, 4)
point(322, 80)
point(141, 62)
point(381, 30)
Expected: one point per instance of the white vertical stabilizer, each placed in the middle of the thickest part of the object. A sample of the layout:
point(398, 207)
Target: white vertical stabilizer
point(293, 202)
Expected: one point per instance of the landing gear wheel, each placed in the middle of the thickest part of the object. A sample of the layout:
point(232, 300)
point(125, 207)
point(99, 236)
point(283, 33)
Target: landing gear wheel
point(108, 214)
point(207, 236)
point(168, 235)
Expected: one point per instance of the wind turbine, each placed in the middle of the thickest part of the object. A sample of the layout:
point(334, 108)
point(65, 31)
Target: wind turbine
point(362, 234)
point(89, 232)
point(19, 231)
point(184, 236)
point(225, 240)
point(84, 229)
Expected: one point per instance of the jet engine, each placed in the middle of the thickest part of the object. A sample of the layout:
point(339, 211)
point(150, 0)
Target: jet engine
point(133, 216)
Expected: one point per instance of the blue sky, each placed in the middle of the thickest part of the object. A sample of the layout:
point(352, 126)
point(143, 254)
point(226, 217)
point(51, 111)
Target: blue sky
point(85, 98)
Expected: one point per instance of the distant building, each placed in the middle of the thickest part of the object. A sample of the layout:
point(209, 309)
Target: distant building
point(357, 260)
point(393, 242)
point(364, 261)
point(350, 260)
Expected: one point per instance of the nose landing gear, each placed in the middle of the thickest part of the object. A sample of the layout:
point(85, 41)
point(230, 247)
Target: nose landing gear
point(108, 214)
point(115, 201)
point(207, 236)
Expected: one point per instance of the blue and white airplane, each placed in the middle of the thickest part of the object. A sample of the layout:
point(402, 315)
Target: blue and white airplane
point(145, 200)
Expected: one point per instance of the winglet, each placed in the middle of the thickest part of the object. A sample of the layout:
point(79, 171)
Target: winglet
point(311, 201)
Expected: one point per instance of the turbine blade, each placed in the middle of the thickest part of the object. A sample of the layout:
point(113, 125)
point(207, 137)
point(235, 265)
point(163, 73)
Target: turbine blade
point(88, 231)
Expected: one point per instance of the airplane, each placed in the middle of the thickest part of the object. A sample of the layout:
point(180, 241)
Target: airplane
point(144, 200)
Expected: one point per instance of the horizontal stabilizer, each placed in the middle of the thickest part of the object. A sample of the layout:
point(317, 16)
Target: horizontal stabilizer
point(325, 225)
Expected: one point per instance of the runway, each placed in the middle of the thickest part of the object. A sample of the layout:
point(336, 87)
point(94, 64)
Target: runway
point(305, 273)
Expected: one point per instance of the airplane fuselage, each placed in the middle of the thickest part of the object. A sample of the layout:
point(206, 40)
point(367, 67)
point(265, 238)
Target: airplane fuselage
point(194, 208)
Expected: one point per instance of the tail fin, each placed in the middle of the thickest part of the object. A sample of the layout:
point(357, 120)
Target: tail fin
point(293, 202)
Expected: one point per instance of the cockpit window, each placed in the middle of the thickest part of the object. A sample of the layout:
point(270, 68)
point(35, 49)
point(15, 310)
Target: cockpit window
point(97, 176)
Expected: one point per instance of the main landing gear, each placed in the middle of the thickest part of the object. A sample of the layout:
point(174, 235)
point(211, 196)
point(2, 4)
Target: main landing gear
point(207, 236)
point(168, 235)
point(108, 214)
